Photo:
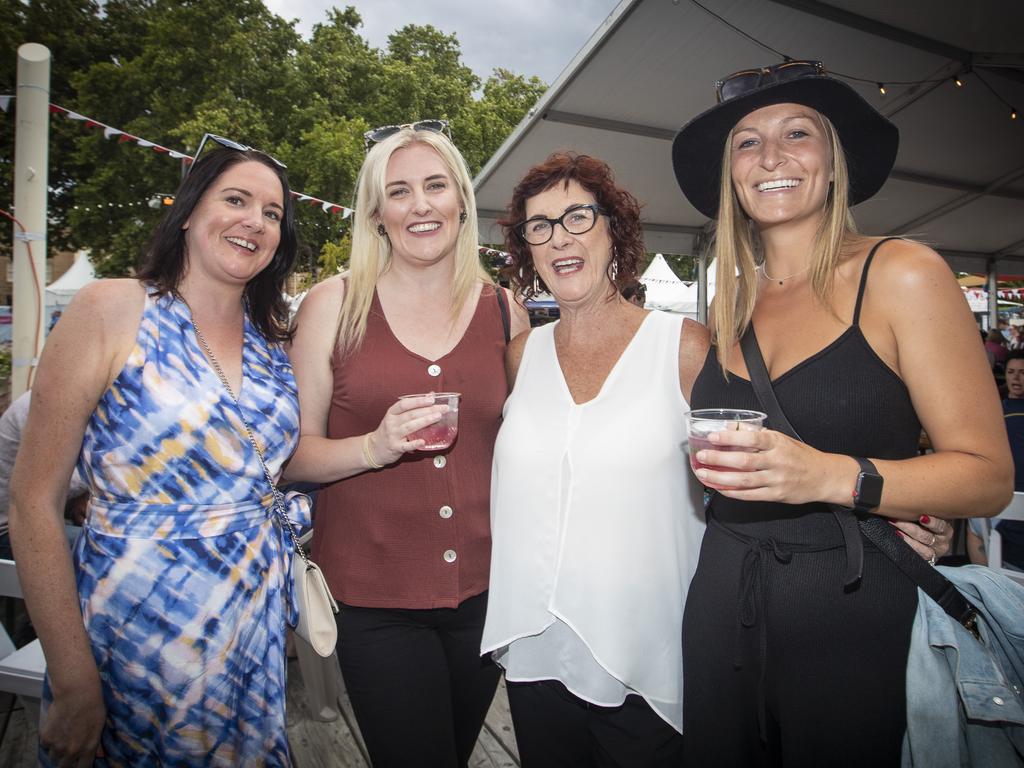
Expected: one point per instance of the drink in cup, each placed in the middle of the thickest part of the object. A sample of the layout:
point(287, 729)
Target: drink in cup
point(701, 423)
point(441, 434)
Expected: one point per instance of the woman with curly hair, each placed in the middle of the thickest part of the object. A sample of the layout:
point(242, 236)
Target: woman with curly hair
point(595, 522)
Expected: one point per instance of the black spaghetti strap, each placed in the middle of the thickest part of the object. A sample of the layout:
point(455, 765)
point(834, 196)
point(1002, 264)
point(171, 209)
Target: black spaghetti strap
point(864, 277)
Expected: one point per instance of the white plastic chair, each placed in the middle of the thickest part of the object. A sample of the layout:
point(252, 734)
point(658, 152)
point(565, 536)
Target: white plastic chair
point(994, 545)
point(21, 669)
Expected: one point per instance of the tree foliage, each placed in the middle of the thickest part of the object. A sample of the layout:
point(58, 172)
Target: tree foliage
point(171, 70)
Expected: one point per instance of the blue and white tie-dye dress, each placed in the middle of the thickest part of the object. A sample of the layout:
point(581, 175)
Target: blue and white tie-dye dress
point(181, 569)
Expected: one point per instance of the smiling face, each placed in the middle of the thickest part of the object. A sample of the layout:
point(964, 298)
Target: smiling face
point(781, 164)
point(1015, 378)
point(421, 205)
point(573, 267)
point(235, 228)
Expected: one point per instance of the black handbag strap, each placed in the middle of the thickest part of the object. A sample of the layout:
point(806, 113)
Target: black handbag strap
point(506, 322)
point(875, 529)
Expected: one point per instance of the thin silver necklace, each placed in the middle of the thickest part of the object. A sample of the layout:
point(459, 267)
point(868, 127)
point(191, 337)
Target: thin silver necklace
point(781, 280)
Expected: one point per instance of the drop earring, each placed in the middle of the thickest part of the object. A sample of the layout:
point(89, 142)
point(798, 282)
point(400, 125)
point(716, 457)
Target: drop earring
point(462, 217)
point(536, 284)
point(381, 231)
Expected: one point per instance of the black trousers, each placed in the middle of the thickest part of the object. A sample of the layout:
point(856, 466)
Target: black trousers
point(418, 686)
point(555, 729)
point(785, 668)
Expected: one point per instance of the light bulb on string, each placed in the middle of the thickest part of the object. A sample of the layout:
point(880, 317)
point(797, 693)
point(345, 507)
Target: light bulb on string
point(881, 88)
point(957, 81)
point(1013, 113)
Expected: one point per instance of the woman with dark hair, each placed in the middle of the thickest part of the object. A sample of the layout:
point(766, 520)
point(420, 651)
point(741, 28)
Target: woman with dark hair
point(797, 629)
point(595, 521)
point(151, 386)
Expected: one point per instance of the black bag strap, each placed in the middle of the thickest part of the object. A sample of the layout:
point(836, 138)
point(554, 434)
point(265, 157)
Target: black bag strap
point(506, 322)
point(875, 529)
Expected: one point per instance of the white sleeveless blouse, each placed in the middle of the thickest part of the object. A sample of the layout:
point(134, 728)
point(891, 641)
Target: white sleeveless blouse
point(596, 522)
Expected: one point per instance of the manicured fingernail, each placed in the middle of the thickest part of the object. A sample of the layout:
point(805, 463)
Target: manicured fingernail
point(702, 473)
point(901, 533)
point(925, 519)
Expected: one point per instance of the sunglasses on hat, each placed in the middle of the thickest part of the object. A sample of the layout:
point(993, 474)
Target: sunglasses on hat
point(749, 80)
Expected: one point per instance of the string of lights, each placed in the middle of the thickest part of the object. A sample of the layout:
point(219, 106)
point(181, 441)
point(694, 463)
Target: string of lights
point(958, 78)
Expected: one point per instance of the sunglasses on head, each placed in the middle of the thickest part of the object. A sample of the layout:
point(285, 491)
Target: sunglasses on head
point(749, 80)
point(229, 144)
point(378, 135)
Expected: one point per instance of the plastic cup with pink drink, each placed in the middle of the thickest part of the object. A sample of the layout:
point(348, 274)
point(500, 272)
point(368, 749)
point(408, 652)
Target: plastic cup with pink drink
point(441, 434)
point(701, 423)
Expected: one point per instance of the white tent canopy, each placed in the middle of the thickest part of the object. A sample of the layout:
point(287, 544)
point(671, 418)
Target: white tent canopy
point(60, 292)
point(664, 290)
point(958, 183)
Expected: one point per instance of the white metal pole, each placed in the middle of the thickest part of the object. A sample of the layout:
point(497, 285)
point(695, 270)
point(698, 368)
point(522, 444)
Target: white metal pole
point(31, 151)
point(993, 293)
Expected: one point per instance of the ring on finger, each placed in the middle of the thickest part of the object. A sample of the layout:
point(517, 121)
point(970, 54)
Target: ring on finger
point(932, 559)
point(934, 539)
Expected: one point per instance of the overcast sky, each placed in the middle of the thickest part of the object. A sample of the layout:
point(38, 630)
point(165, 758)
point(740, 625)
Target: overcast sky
point(529, 37)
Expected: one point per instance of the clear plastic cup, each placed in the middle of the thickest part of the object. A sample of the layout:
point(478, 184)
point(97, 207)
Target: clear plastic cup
point(701, 423)
point(441, 434)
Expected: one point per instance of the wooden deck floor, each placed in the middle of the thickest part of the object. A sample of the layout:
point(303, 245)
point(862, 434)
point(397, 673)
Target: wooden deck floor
point(315, 744)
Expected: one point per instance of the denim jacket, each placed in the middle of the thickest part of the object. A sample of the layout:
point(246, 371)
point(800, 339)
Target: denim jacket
point(964, 701)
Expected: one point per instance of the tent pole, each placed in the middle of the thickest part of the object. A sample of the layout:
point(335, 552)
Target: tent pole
point(993, 297)
point(31, 171)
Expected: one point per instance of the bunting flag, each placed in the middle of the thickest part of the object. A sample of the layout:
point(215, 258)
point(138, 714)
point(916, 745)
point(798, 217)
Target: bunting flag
point(124, 137)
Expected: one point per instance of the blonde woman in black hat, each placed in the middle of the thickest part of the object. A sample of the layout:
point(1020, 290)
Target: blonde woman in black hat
point(796, 628)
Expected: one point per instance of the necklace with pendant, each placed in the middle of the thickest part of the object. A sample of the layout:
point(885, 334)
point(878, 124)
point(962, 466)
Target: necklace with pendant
point(781, 280)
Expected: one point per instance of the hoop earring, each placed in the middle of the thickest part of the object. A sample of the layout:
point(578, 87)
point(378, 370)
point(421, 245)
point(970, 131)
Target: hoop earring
point(536, 284)
point(614, 264)
point(381, 231)
point(462, 217)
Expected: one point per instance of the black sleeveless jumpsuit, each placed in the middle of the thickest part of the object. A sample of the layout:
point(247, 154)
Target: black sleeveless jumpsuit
point(782, 665)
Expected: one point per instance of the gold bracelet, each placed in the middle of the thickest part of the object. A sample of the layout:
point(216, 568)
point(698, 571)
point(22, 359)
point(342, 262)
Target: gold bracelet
point(368, 455)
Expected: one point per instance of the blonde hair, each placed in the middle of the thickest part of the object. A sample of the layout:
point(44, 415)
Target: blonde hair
point(371, 253)
point(737, 248)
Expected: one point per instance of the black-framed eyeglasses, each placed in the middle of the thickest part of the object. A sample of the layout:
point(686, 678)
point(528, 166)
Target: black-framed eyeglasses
point(575, 221)
point(748, 80)
point(230, 144)
point(377, 135)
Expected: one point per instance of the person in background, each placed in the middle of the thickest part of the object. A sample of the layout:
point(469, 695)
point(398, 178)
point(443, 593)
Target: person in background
point(1011, 531)
point(796, 629)
point(180, 574)
point(995, 346)
point(635, 293)
point(12, 423)
point(596, 519)
point(402, 533)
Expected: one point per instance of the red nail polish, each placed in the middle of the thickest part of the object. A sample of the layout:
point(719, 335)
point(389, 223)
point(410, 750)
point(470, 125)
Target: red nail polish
point(925, 519)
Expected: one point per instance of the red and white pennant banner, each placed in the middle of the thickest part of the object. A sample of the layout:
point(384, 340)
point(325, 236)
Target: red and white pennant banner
point(109, 132)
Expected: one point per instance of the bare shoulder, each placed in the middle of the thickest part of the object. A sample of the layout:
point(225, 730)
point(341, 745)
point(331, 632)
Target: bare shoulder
point(105, 312)
point(514, 355)
point(900, 266)
point(323, 299)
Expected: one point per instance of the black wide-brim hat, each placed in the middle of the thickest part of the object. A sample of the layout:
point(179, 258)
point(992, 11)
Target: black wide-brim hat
point(869, 140)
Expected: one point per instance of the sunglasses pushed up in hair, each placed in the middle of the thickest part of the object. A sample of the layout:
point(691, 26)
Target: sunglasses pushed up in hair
point(377, 135)
point(229, 144)
point(749, 80)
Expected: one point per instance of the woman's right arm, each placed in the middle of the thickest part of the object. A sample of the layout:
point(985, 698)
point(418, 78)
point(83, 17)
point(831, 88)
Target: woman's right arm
point(81, 358)
point(319, 458)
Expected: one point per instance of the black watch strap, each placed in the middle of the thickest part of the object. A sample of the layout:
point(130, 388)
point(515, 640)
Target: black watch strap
point(867, 493)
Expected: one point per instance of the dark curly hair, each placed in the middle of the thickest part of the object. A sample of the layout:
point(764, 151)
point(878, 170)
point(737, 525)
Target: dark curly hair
point(165, 261)
point(596, 177)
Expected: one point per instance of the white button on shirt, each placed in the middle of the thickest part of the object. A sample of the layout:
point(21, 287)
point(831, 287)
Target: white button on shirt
point(440, 461)
point(445, 511)
point(449, 555)
point(434, 369)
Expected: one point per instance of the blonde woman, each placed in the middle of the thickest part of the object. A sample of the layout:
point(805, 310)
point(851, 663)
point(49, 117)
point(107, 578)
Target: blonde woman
point(796, 631)
point(403, 534)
